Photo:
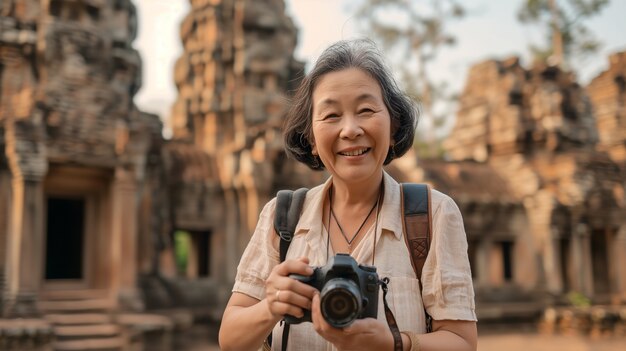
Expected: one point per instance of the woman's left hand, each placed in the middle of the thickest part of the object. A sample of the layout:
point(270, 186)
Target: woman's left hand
point(362, 334)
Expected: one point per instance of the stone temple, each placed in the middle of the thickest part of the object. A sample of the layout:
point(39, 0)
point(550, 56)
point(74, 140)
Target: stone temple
point(95, 204)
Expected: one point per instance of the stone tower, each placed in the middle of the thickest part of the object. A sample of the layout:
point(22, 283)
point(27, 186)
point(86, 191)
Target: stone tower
point(536, 129)
point(74, 147)
point(234, 79)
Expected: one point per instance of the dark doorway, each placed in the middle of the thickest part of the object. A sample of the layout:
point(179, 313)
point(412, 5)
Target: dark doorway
point(507, 260)
point(65, 237)
point(600, 262)
point(565, 248)
point(203, 240)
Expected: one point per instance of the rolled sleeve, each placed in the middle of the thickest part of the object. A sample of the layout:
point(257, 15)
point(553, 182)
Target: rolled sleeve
point(448, 292)
point(259, 257)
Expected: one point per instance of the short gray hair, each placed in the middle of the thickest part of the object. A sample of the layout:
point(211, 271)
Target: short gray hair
point(364, 55)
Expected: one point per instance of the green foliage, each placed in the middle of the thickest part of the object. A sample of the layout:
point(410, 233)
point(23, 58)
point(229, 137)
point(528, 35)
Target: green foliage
point(563, 19)
point(578, 299)
point(413, 38)
point(182, 247)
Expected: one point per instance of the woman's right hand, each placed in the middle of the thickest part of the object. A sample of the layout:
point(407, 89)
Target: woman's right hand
point(286, 295)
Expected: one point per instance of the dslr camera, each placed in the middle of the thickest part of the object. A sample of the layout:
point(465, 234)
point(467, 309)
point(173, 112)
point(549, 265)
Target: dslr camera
point(349, 291)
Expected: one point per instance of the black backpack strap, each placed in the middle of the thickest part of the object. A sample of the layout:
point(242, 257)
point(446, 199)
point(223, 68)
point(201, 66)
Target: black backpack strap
point(288, 207)
point(417, 226)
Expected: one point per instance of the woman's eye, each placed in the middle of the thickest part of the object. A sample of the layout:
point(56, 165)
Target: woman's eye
point(365, 111)
point(332, 115)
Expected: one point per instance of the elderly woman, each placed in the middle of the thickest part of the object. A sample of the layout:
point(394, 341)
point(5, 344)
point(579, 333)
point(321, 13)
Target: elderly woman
point(350, 118)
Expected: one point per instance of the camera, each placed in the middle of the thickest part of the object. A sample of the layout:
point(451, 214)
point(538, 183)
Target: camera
point(349, 291)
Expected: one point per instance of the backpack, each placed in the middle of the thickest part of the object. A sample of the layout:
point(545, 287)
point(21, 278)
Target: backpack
point(417, 226)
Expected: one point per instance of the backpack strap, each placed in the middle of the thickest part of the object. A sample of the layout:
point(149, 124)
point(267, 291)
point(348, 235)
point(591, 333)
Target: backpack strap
point(288, 207)
point(417, 227)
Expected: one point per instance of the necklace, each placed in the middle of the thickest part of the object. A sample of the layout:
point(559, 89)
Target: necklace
point(350, 240)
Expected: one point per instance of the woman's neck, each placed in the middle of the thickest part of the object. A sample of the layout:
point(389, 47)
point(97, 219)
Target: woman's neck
point(351, 193)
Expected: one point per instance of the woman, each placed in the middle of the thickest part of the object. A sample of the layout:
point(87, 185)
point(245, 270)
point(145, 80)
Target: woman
point(350, 118)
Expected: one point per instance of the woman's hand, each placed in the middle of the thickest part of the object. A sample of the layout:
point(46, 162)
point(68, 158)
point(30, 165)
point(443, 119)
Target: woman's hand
point(362, 334)
point(286, 295)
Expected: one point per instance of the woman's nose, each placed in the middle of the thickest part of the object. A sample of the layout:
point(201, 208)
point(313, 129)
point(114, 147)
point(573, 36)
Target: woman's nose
point(350, 128)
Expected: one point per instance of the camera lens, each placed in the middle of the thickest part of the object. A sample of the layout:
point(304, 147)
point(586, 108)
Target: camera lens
point(340, 302)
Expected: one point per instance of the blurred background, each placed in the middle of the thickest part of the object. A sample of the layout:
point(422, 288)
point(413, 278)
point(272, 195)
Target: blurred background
point(140, 139)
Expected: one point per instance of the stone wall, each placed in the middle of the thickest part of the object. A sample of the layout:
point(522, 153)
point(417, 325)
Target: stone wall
point(68, 74)
point(608, 94)
point(234, 79)
point(536, 128)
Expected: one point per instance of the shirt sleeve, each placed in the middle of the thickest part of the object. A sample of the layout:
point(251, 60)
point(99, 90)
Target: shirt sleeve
point(259, 257)
point(448, 292)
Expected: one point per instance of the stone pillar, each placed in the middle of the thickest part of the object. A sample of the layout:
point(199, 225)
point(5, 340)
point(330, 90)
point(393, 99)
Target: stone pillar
point(539, 209)
point(482, 261)
point(124, 239)
point(26, 156)
point(555, 260)
point(232, 234)
point(619, 265)
point(581, 259)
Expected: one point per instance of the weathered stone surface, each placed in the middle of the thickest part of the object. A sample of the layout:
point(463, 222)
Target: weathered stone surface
point(70, 130)
point(532, 136)
point(608, 94)
point(507, 109)
point(232, 79)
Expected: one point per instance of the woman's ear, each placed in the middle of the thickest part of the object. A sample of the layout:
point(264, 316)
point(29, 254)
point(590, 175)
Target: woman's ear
point(393, 130)
point(313, 146)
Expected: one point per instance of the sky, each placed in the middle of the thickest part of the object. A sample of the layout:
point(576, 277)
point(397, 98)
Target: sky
point(490, 30)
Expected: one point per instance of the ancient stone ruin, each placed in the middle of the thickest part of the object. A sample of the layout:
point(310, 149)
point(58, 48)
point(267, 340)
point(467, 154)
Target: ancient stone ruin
point(74, 154)
point(93, 201)
point(544, 215)
point(91, 193)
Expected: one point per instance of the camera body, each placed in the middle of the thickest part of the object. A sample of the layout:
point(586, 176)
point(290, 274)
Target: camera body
point(349, 291)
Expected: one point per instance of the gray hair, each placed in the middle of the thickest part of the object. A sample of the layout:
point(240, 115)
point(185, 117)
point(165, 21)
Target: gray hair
point(364, 55)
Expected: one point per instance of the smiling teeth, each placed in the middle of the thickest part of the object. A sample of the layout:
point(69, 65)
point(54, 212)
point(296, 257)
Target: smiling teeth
point(354, 153)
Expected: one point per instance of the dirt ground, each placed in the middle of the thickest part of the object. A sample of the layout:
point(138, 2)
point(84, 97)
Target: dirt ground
point(537, 342)
point(508, 341)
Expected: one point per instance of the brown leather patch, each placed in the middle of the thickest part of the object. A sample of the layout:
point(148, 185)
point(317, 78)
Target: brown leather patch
point(419, 247)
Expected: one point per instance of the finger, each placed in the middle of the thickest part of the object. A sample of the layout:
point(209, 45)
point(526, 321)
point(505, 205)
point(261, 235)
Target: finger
point(360, 326)
point(320, 324)
point(299, 288)
point(294, 298)
point(316, 314)
point(293, 267)
point(283, 308)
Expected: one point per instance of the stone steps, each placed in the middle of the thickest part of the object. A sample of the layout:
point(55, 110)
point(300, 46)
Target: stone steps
point(83, 320)
point(83, 294)
point(86, 331)
point(78, 305)
point(78, 318)
point(101, 344)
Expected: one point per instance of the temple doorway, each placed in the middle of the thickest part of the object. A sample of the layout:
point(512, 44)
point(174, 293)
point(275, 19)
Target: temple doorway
point(65, 229)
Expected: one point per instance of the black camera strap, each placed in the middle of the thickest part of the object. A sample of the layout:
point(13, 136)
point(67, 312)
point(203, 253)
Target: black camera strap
point(288, 207)
point(417, 228)
point(391, 320)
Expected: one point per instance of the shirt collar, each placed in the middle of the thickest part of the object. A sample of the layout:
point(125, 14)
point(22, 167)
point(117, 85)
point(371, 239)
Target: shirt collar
point(390, 217)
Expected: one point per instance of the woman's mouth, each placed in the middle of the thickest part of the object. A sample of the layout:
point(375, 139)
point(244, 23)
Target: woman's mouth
point(356, 152)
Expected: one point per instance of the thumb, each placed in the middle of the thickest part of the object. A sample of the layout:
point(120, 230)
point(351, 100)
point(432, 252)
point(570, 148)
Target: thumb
point(359, 326)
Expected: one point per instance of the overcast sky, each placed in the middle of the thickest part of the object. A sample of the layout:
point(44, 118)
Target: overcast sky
point(489, 31)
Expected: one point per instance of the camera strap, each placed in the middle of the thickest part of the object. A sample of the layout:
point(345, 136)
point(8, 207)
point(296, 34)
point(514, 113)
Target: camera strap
point(288, 207)
point(391, 320)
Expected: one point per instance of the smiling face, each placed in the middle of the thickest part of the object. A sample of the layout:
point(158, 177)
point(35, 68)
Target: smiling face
point(351, 125)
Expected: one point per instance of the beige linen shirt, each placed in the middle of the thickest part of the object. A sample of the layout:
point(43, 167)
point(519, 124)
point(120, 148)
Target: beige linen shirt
point(446, 277)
